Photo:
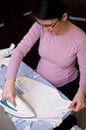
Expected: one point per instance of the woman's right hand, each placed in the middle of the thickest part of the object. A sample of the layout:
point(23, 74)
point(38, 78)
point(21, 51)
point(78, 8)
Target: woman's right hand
point(9, 92)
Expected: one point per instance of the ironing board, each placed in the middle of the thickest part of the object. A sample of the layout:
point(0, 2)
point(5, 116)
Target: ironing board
point(24, 123)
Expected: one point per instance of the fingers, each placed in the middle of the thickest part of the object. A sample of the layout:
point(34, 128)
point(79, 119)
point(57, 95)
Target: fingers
point(76, 106)
point(10, 98)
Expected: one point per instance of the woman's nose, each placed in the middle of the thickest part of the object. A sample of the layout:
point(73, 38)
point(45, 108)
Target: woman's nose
point(45, 29)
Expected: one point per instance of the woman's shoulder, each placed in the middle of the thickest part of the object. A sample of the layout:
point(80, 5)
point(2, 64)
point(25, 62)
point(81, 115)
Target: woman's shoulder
point(36, 28)
point(78, 32)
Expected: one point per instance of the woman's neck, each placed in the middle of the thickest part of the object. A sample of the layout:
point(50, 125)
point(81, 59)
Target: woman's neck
point(65, 27)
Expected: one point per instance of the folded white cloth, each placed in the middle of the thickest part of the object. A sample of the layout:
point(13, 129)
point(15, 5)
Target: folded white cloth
point(4, 61)
point(46, 101)
point(7, 52)
point(4, 53)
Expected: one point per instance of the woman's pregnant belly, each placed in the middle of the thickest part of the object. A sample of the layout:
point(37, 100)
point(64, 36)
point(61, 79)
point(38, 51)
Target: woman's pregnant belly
point(55, 74)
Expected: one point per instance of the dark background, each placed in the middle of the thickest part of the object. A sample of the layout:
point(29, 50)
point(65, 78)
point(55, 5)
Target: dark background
point(15, 22)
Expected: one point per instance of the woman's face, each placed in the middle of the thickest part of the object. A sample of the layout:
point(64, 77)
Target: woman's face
point(54, 26)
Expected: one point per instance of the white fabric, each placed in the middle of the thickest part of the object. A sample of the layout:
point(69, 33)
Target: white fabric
point(4, 53)
point(45, 101)
point(4, 61)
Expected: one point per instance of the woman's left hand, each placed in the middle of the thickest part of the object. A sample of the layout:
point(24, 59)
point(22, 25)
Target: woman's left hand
point(79, 101)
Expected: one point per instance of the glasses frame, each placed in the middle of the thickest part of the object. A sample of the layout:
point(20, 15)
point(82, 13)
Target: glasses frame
point(50, 26)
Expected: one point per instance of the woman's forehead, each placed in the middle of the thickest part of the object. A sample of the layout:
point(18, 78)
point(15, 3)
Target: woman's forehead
point(49, 21)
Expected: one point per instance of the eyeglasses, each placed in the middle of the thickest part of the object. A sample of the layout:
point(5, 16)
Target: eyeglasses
point(51, 25)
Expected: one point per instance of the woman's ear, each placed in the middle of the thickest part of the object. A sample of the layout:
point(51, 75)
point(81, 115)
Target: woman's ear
point(64, 17)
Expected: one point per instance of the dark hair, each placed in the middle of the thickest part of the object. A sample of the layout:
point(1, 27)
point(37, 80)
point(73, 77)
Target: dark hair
point(49, 9)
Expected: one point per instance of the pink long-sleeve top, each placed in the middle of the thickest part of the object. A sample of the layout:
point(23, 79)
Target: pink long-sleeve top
point(57, 55)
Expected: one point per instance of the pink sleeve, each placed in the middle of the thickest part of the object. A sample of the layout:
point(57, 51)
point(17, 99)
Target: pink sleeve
point(21, 50)
point(81, 54)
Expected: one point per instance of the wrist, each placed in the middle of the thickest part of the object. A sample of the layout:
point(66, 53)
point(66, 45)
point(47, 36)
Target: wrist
point(9, 81)
point(82, 90)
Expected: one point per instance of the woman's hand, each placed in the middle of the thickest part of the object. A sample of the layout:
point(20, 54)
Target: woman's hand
point(9, 91)
point(79, 101)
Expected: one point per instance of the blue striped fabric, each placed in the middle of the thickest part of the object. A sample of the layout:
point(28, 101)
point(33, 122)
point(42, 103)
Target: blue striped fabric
point(20, 123)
